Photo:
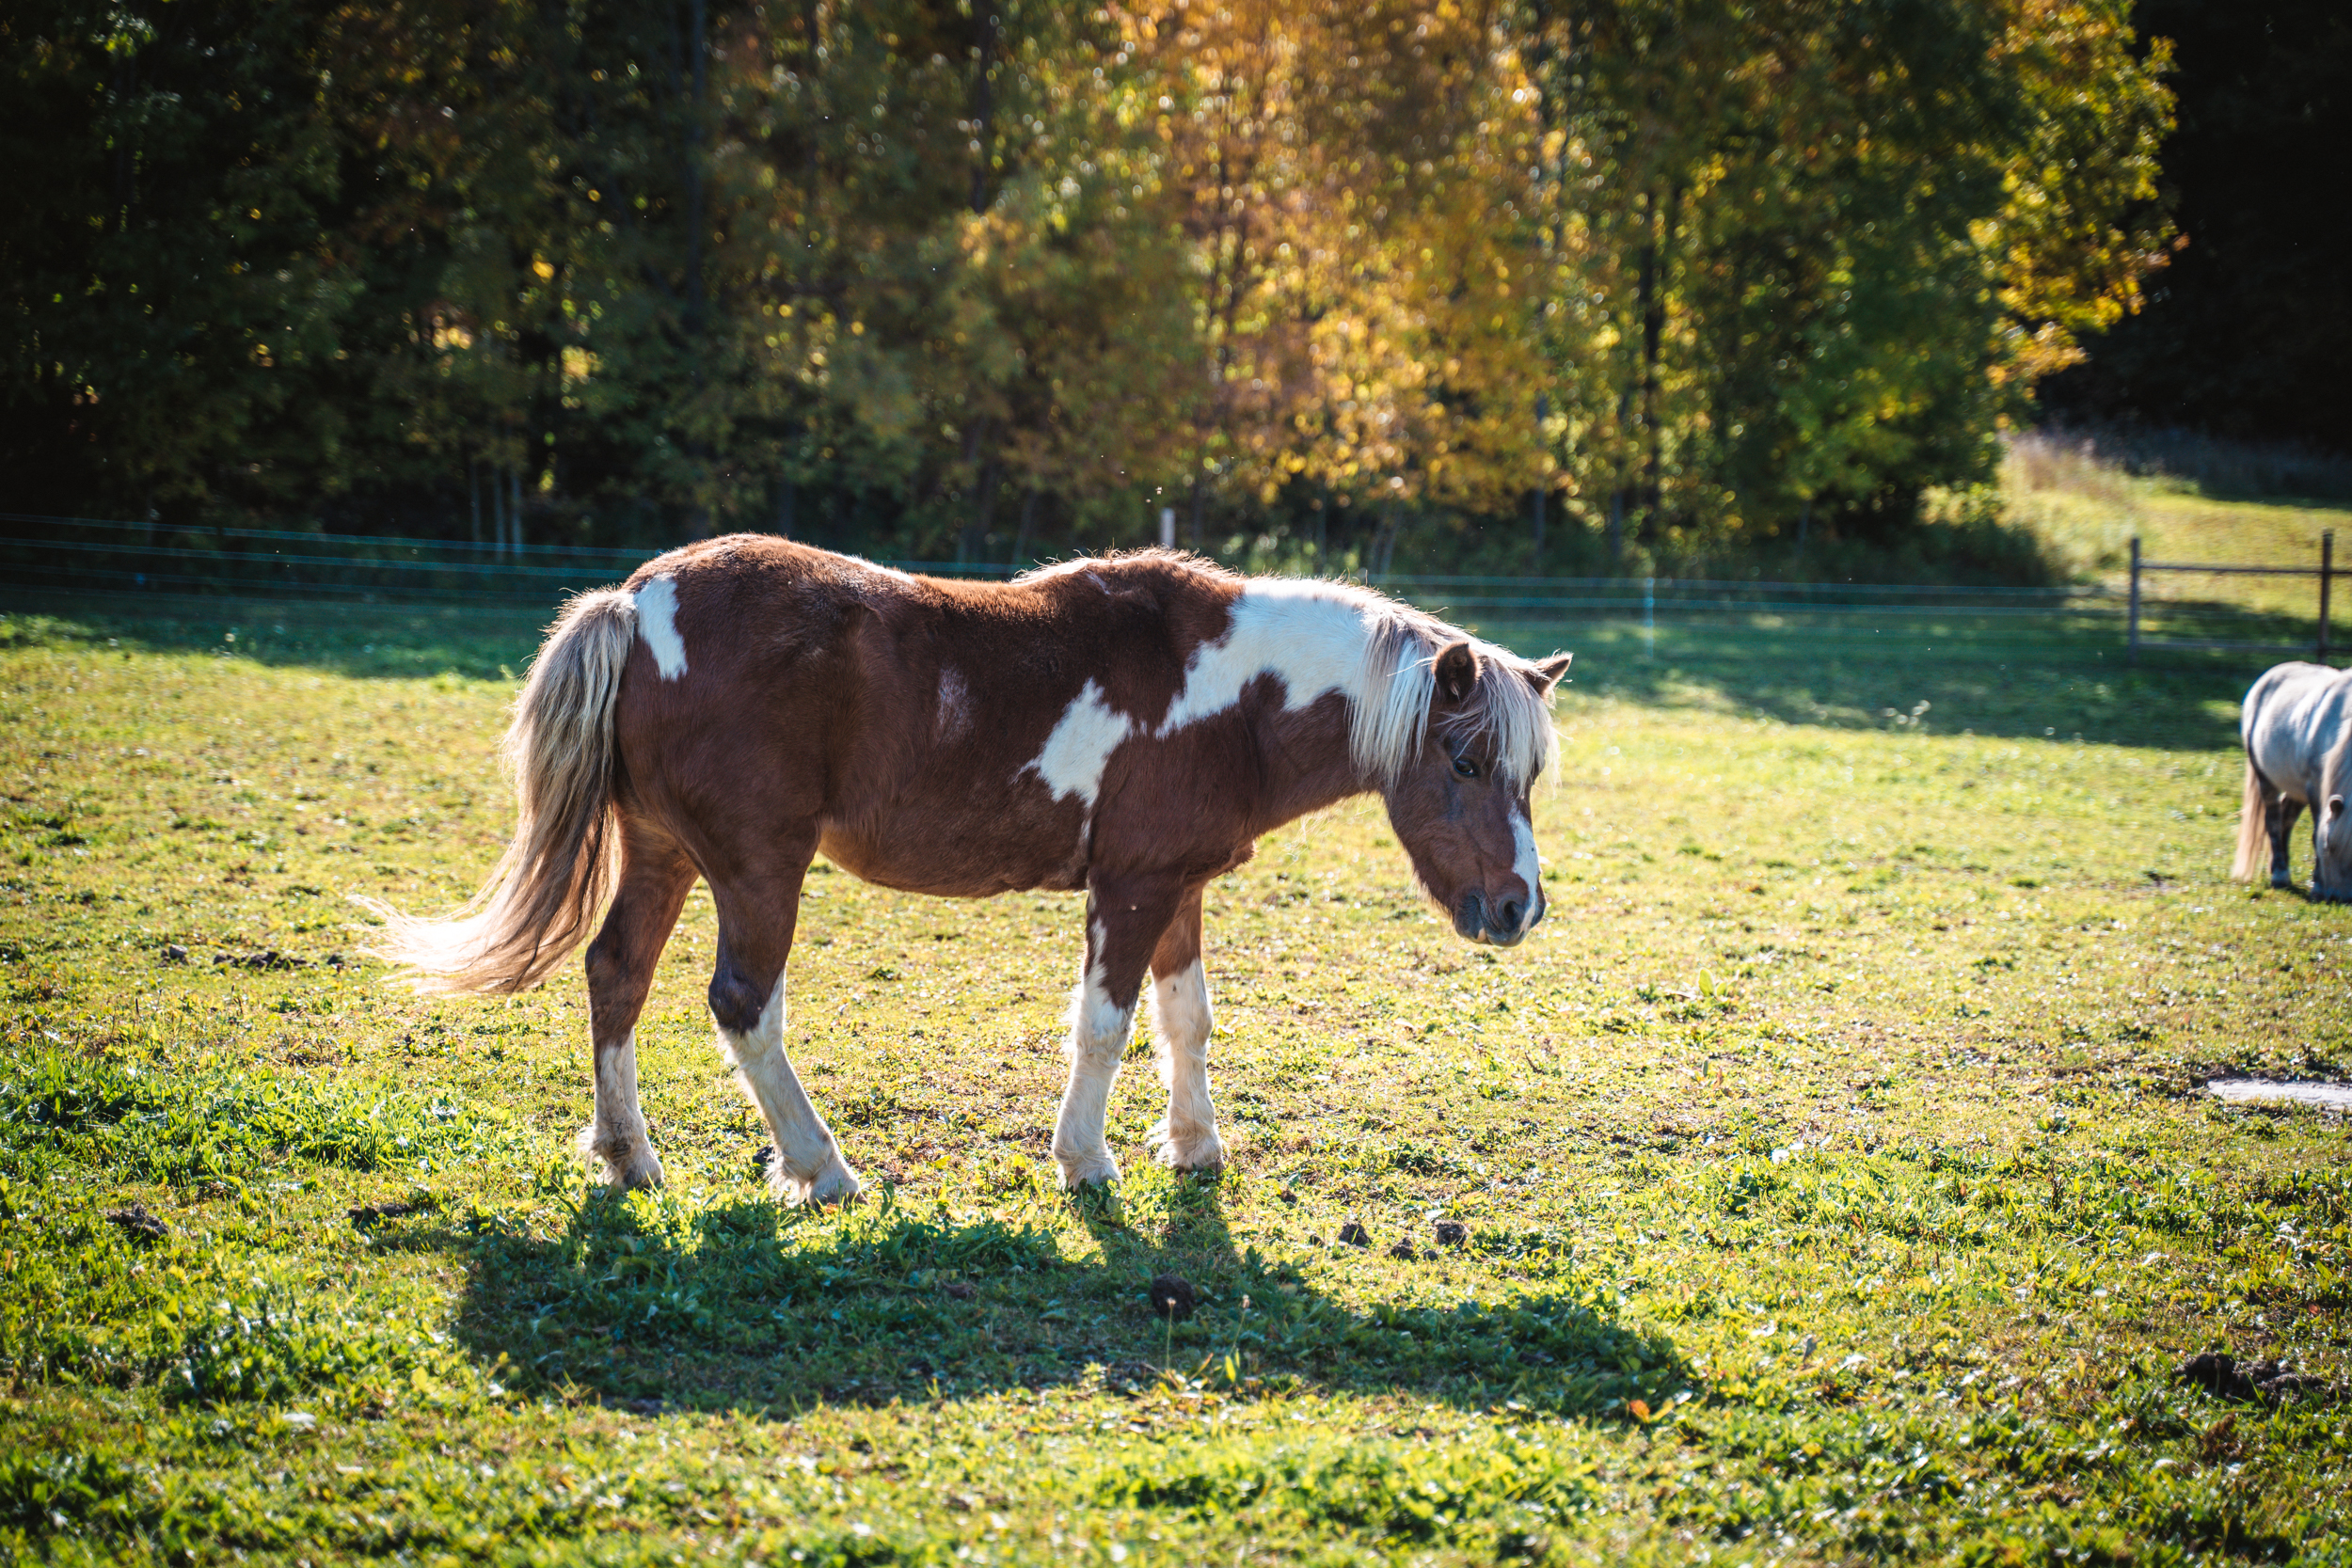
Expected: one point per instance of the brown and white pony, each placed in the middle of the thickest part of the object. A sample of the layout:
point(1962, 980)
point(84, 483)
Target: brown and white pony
point(1127, 726)
point(2297, 727)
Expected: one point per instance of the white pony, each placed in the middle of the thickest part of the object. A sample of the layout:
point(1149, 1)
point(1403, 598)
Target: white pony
point(2296, 725)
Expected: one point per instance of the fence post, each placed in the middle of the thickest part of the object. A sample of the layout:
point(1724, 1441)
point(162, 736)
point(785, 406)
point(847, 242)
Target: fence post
point(2326, 570)
point(2132, 657)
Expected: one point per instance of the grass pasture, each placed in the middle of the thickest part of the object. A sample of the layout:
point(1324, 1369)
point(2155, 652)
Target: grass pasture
point(1834, 1179)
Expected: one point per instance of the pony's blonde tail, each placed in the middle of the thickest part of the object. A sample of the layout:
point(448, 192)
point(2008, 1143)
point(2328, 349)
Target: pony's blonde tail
point(544, 894)
point(2253, 831)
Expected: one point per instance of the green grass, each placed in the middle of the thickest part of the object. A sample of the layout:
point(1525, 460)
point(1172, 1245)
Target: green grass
point(1835, 1181)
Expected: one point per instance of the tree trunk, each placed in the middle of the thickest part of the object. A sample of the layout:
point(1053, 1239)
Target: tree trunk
point(983, 482)
point(696, 294)
point(1021, 534)
point(1653, 334)
point(984, 103)
point(1543, 412)
point(1653, 315)
point(983, 508)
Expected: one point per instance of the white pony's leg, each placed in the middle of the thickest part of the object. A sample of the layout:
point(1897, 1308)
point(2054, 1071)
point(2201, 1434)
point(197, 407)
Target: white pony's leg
point(1099, 1028)
point(808, 1166)
point(616, 1142)
point(1180, 1025)
point(2283, 814)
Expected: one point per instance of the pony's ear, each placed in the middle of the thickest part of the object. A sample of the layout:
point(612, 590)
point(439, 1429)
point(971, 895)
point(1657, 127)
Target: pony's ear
point(1548, 671)
point(1456, 666)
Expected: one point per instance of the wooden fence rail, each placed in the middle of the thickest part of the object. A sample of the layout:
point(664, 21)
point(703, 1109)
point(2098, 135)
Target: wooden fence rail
point(2324, 571)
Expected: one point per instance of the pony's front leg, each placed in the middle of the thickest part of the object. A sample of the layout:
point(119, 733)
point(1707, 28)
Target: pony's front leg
point(620, 963)
point(2284, 809)
point(756, 920)
point(1123, 924)
point(1180, 1024)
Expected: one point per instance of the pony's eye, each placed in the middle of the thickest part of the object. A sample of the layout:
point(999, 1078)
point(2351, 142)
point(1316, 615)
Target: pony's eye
point(1467, 769)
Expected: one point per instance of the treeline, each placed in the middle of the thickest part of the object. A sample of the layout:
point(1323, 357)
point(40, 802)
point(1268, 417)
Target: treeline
point(2247, 330)
point(989, 279)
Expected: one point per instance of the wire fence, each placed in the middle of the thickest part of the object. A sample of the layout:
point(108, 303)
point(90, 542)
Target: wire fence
point(1654, 618)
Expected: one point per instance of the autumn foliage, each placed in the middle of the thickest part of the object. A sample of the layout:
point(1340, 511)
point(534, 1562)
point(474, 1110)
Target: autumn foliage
point(981, 278)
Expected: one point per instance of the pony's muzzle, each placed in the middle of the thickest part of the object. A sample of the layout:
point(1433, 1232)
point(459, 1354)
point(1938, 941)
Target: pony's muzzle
point(1501, 925)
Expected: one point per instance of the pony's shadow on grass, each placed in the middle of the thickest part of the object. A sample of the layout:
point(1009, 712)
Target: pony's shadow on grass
point(2065, 685)
point(362, 641)
point(740, 1307)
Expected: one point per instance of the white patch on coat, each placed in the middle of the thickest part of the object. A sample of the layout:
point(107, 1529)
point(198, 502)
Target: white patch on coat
point(1304, 633)
point(657, 623)
point(1528, 867)
point(1181, 1024)
point(1301, 633)
point(955, 704)
point(1080, 747)
point(1098, 1042)
point(808, 1166)
point(616, 1142)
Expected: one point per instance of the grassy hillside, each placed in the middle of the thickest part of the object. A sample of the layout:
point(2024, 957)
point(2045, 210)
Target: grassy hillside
point(1835, 1181)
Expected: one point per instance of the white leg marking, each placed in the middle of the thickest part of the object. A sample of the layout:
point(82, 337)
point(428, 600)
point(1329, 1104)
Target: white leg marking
point(616, 1143)
point(808, 1166)
point(657, 623)
point(1181, 1022)
point(1098, 1039)
point(1529, 867)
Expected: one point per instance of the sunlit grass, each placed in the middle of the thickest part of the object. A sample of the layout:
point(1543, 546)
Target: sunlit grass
point(1832, 1179)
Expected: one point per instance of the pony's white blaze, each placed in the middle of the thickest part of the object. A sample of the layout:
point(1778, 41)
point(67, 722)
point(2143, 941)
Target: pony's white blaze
point(1528, 867)
point(955, 704)
point(808, 1168)
point(1098, 1041)
point(616, 1140)
point(1180, 1019)
point(657, 623)
point(1303, 633)
point(1080, 747)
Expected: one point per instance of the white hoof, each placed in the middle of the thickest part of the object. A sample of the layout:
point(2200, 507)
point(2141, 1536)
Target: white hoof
point(1086, 1170)
point(1194, 1150)
point(619, 1161)
point(835, 1184)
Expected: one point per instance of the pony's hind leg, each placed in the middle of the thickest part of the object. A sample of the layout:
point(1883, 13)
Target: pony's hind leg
point(653, 880)
point(756, 914)
point(1181, 1024)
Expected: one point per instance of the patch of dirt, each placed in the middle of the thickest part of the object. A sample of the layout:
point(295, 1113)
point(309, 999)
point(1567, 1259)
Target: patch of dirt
point(1172, 1297)
point(2263, 1382)
point(138, 1221)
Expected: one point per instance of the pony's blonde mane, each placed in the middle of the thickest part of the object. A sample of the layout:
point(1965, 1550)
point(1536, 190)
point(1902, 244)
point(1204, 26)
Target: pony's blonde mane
point(1398, 681)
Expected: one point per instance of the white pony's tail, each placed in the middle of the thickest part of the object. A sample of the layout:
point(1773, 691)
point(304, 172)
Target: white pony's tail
point(2253, 831)
point(544, 894)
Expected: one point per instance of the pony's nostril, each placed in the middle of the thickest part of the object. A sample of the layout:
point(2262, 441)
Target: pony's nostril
point(1511, 912)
